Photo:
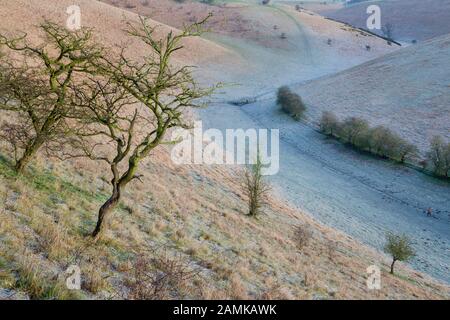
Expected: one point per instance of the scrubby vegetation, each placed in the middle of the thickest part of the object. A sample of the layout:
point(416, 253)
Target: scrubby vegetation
point(158, 277)
point(303, 235)
point(291, 103)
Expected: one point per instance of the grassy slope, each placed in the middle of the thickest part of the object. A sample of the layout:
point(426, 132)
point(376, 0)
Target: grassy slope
point(46, 216)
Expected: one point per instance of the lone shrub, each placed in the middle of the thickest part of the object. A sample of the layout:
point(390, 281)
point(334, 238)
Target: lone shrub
point(255, 188)
point(290, 102)
point(399, 247)
point(164, 276)
point(303, 235)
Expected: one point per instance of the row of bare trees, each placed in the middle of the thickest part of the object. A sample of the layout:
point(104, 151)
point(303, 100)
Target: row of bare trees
point(71, 97)
point(383, 142)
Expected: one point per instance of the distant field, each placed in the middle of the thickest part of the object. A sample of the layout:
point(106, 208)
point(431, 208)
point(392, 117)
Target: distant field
point(253, 33)
point(411, 19)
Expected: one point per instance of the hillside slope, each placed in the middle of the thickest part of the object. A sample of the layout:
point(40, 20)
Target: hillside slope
point(108, 23)
point(278, 44)
point(407, 90)
point(197, 213)
point(411, 19)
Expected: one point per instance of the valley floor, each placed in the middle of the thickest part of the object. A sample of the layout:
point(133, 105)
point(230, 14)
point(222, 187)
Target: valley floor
point(360, 195)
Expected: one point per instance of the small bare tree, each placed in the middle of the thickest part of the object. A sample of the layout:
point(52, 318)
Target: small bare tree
point(353, 128)
point(399, 247)
point(255, 188)
point(329, 123)
point(439, 156)
point(36, 86)
point(133, 107)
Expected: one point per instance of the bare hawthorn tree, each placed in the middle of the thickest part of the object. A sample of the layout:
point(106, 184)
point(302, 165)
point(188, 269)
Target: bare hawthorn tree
point(133, 107)
point(439, 156)
point(36, 85)
point(22, 98)
point(329, 123)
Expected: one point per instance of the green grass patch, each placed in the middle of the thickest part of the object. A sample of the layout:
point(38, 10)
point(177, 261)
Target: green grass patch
point(46, 182)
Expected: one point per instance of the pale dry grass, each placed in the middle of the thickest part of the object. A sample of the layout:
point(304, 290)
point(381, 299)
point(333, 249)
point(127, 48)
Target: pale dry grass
point(195, 211)
point(239, 257)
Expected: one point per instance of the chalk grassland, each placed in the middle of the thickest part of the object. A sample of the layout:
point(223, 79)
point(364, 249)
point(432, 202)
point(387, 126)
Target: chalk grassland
point(411, 19)
point(273, 45)
point(196, 213)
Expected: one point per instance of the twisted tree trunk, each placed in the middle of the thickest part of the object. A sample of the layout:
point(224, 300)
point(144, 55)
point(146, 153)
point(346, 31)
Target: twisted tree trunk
point(118, 185)
point(29, 153)
point(392, 266)
point(106, 210)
